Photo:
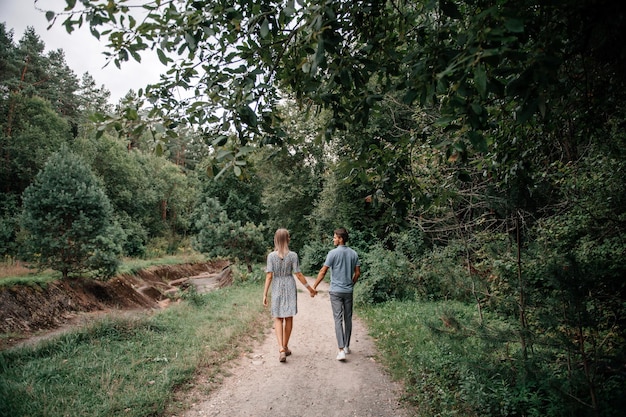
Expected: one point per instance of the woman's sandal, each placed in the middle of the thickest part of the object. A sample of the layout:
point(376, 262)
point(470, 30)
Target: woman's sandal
point(287, 351)
point(283, 356)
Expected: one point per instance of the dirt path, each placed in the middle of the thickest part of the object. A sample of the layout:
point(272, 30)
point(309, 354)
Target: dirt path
point(312, 382)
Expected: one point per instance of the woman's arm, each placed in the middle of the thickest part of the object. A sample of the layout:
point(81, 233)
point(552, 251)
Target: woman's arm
point(268, 281)
point(304, 282)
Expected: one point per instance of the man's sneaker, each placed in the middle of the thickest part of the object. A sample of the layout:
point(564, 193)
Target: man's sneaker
point(341, 356)
point(346, 350)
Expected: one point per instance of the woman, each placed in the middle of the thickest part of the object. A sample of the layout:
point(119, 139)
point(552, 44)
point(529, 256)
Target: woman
point(282, 265)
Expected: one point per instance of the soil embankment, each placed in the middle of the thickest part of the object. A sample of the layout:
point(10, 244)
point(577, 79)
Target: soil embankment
point(27, 310)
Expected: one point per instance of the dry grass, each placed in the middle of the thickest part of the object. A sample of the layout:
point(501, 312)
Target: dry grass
point(13, 268)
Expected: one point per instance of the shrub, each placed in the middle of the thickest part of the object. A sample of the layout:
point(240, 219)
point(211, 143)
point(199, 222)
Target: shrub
point(411, 243)
point(312, 256)
point(386, 275)
point(442, 275)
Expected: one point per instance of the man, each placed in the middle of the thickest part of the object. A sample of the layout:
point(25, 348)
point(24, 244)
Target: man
point(345, 271)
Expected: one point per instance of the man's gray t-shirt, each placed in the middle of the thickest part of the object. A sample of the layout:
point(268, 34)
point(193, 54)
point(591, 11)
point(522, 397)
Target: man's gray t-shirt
point(342, 261)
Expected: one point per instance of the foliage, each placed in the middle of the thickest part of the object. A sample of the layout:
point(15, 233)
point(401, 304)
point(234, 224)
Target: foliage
point(133, 265)
point(452, 364)
point(69, 219)
point(441, 274)
point(577, 284)
point(39, 111)
point(411, 243)
point(29, 137)
point(9, 223)
point(240, 196)
point(141, 359)
point(151, 196)
point(30, 72)
point(313, 255)
point(219, 236)
point(476, 148)
point(290, 175)
point(341, 204)
point(473, 62)
point(386, 276)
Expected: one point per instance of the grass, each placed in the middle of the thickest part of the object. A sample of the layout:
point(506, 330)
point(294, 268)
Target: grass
point(133, 265)
point(449, 363)
point(15, 272)
point(130, 365)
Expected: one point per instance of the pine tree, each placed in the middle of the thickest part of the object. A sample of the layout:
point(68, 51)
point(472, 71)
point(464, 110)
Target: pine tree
point(70, 219)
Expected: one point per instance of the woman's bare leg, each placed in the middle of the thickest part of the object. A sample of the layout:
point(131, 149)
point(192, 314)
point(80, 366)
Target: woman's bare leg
point(287, 331)
point(278, 328)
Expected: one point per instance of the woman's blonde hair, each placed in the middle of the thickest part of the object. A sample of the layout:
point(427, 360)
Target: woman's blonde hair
point(281, 242)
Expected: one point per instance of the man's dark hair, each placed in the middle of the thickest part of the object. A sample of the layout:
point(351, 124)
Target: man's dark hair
point(342, 233)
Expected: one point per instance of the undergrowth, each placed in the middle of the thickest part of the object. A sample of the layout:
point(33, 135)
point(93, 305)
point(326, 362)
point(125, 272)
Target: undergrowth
point(450, 363)
point(128, 365)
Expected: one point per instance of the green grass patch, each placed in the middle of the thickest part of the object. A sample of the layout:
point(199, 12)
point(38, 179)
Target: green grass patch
point(128, 366)
point(32, 278)
point(449, 362)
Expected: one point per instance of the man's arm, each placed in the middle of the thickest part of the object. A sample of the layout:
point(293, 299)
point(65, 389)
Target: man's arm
point(320, 276)
point(357, 274)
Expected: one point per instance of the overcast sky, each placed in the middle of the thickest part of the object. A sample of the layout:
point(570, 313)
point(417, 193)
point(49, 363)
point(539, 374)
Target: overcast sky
point(83, 52)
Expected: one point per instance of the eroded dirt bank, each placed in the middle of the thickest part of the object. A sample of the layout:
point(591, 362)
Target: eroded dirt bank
point(26, 310)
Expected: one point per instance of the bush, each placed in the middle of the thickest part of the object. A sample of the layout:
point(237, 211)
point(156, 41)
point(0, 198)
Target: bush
point(411, 243)
point(312, 257)
point(442, 275)
point(452, 365)
point(386, 275)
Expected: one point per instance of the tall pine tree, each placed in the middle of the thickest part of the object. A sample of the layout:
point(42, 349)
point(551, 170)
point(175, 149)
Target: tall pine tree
point(70, 219)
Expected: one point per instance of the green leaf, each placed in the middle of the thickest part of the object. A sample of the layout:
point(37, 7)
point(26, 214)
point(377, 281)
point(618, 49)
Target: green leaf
point(480, 79)
point(248, 116)
point(135, 56)
point(265, 28)
point(224, 154)
point(162, 57)
point(50, 15)
point(445, 121)
point(220, 140)
point(409, 96)
point(478, 141)
point(514, 25)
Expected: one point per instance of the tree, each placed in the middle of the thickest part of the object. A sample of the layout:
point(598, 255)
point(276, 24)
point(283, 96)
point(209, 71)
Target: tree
point(468, 59)
point(290, 173)
point(218, 235)
point(239, 197)
point(36, 132)
point(69, 219)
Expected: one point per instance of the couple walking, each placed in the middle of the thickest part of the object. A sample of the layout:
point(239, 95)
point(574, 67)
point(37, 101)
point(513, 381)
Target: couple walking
point(283, 264)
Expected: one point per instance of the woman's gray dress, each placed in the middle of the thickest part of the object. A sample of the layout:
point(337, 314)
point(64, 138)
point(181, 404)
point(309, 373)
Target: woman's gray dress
point(284, 295)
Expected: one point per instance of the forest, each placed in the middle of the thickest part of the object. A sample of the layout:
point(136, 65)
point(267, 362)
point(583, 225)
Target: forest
point(474, 150)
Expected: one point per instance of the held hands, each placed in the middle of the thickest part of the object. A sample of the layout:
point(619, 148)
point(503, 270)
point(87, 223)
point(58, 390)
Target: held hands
point(312, 291)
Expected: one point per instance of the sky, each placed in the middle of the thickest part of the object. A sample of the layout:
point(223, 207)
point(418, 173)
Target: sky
point(83, 52)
